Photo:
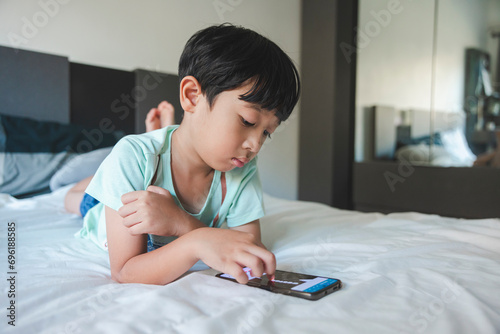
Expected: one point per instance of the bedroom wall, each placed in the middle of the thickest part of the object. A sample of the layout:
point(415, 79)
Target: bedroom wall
point(395, 60)
point(462, 24)
point(151, 34)
point(493, 45)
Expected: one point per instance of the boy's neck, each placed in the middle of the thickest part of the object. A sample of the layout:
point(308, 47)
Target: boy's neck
point(184, 157)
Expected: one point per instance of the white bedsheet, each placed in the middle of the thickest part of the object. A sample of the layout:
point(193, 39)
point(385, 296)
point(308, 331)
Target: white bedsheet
point(402, 273)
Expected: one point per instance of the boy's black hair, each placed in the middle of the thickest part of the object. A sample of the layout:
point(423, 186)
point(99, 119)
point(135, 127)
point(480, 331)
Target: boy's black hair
point(225, 56)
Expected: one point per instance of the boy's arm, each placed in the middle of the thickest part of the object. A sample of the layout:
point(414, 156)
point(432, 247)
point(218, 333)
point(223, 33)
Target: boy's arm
point(130, 262)
point(224, 250)
point(153, 211)
point(253, 228)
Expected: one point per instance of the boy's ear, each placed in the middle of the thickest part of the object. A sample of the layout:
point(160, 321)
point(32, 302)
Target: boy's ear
point(190, 91)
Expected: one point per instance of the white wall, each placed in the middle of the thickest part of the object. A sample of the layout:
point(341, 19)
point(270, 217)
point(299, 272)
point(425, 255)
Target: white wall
point(151, 34)
point(494, 25)
point(462, 24)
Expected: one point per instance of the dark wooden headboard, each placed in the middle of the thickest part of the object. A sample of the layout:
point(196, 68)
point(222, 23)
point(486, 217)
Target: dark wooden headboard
point(51, 88)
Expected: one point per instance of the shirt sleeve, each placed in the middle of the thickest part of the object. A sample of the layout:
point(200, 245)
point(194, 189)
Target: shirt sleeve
point(127, 168)
point(247, 204)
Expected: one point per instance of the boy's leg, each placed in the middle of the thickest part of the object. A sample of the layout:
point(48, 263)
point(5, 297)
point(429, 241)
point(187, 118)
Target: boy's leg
point(74, 196)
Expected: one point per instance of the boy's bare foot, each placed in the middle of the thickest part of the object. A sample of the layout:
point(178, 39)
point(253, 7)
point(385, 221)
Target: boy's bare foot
point(160, 117)
point(488, 159)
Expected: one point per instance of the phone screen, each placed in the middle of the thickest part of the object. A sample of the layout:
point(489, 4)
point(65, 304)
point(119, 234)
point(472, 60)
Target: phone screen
point(295, 284)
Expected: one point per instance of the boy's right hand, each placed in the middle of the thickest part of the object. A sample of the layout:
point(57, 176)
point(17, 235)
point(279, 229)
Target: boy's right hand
point(154, 211)
point(230, 251)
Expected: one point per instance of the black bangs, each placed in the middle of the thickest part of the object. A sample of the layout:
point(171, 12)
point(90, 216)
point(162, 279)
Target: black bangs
point(225, 57)
point(276, 87)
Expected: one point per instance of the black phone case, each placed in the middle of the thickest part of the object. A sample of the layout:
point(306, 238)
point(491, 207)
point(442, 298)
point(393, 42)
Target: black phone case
point(282, 288)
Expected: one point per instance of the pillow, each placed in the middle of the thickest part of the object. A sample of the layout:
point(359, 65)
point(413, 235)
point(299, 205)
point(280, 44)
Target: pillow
point(32, 151)
point(28, 174)
point(78, 167)
point(455, 143)
point(421, 155)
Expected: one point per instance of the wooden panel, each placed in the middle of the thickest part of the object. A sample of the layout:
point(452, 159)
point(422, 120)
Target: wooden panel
point(34, 84)
point(328, 64)
point(345, 101)
point(454, 192)
point(316, 103)
point(102, 98)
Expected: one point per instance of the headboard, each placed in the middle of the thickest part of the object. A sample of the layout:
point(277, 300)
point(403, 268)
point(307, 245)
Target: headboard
point(49, 87)
point(52, 109)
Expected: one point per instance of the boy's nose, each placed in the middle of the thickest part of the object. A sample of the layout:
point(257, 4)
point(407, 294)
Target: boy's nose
point(253, 143)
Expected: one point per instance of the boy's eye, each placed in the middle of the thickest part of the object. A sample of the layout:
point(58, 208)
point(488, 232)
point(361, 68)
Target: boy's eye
point(247, 123)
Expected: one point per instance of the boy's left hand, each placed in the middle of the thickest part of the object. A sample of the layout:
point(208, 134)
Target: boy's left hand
point(153, 211)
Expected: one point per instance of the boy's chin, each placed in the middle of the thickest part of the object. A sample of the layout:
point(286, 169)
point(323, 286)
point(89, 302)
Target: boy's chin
point(221, 167)
point(226, 169)
point(228, 166)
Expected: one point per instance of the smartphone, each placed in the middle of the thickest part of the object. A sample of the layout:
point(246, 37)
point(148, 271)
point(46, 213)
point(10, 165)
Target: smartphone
point(293, 284)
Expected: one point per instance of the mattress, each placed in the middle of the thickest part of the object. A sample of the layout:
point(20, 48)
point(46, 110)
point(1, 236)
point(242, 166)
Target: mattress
point(401, 273)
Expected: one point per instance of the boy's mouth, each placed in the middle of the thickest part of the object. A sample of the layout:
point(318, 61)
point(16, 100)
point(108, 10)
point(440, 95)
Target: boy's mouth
point(239, 162)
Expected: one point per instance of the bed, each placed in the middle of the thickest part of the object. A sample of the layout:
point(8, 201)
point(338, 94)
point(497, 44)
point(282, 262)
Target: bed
point(401, 272)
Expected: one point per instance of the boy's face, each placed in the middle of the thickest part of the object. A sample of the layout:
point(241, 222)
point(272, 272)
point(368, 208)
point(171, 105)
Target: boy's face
point(233, 131)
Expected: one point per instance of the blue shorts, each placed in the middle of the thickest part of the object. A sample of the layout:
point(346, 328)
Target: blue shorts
point(151, 245)
point(87, 203)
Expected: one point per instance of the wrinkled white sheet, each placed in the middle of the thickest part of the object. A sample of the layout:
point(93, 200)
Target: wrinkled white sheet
point(402, 273)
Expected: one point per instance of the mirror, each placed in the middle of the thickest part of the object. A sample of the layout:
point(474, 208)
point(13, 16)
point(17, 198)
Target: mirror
point(427, 85)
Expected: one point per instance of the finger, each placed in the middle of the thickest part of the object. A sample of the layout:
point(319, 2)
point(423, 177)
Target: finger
point(260, 244)
point(270, 265)
point(267, 257)
point(237, 272)
point(132, 220)
point(158, 190)
point(137, 229)
point(128, 209)
point(131, 196)
point(253, 262)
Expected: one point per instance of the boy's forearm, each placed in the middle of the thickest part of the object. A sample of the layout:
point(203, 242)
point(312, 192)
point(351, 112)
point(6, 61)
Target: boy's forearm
point(252, 228)
point(160, 266)
point(221, 249)
point(189, 224)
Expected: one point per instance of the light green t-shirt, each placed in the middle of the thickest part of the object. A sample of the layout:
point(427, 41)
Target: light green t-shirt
point(131, 166)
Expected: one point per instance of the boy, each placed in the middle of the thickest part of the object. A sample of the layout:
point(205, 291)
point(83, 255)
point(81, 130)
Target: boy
point(178, 182)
